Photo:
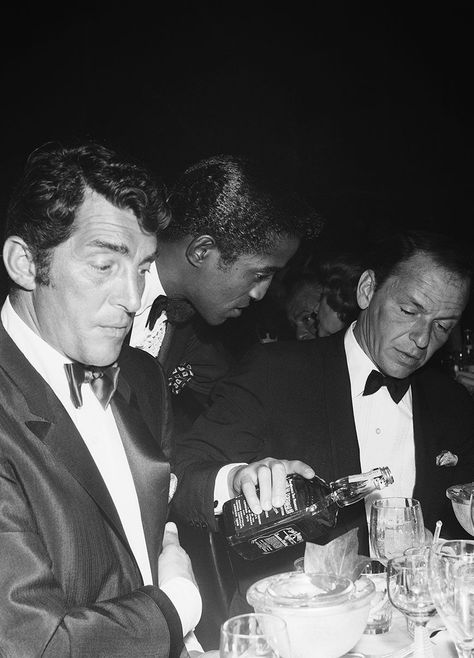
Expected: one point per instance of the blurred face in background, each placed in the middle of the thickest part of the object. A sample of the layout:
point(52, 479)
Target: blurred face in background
point(302, 311)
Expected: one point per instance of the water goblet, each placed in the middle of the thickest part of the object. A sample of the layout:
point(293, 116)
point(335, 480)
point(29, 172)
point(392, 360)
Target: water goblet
point(408, 591)
point(254, 635)
point(395, 525)
point(451, 583)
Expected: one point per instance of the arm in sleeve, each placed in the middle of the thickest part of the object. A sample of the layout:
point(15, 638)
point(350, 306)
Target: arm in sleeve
point(234, 429)
point(36, 617)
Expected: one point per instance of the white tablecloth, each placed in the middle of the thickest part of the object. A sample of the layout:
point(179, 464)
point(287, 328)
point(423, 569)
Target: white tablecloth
point(397, 639)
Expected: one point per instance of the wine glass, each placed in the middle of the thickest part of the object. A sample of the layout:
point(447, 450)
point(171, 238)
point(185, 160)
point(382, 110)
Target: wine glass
point(254, 635)
point(408, 590)
point(451, 582)
point(395, 525)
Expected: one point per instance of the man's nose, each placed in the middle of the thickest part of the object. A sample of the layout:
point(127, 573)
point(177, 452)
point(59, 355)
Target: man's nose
point(129, 292)
point(258, 291)
point(420, 335)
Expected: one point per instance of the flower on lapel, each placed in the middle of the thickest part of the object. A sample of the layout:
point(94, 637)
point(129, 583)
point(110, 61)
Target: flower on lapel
point(180, 377)
point(446, 458)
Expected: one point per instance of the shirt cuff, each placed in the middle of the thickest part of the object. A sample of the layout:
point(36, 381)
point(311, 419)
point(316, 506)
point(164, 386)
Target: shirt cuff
point(222, 491)
point(185, 597)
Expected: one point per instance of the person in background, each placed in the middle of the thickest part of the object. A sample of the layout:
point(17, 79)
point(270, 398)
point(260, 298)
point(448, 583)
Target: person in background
point(302, 305)
point(322, 300)
point(361, 398)
point(88, 564)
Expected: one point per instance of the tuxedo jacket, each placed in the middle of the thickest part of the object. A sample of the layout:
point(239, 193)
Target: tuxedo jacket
point(69, 583)
point(198, 345)
point(292, 400)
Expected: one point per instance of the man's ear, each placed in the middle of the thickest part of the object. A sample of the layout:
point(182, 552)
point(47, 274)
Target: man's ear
point(199, 249)
point(365, 288)
point(19, 262)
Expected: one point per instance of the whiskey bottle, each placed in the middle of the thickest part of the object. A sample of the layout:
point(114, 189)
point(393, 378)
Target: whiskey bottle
point(310, 510)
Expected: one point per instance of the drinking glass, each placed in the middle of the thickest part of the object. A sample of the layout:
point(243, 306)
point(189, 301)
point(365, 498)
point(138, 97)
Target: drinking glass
point(395, 525)
point(408, 591)
point(254, 635)
point(451, 582)
point(462, 500)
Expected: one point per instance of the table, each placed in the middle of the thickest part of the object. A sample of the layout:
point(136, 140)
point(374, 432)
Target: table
point(397, 639)
point(390, 644)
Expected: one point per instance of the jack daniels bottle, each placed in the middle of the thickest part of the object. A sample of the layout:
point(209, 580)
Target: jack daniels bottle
point(310, 510)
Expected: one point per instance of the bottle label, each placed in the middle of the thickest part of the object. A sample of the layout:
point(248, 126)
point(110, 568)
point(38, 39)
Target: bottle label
point(244, 518)
point(280, 539)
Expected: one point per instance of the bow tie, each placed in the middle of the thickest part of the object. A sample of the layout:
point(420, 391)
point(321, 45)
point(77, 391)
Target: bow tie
point(103, 382)
point(178, 311)
point(396, 387)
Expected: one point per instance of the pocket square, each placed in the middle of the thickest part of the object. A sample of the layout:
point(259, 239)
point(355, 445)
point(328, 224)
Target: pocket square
point(180, 377)
point(446, 458)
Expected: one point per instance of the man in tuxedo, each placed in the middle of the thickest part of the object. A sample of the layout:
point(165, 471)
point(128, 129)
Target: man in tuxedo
point(309, 401)
point(233, 226)
point(88, 565)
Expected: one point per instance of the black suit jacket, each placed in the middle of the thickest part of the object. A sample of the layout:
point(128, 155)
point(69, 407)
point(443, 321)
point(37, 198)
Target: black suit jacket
point(69, 583)
point(292, 400)
point(197, 344)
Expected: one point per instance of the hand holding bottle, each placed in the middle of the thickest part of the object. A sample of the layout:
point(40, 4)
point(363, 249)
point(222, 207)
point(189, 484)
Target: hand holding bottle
point(269, 475)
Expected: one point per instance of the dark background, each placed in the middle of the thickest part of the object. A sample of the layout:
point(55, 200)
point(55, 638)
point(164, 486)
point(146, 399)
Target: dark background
point(367, 107)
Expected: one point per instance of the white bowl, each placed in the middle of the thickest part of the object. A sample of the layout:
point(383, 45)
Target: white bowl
point(325, 614)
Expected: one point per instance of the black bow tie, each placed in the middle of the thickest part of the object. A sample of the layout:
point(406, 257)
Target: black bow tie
point(177, 310)
point(103, 382)
point(396, 387)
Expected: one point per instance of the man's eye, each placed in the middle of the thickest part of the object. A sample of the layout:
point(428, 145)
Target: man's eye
point(442, 327)
point(263, 277)
point(102, 268)
point(406, 312)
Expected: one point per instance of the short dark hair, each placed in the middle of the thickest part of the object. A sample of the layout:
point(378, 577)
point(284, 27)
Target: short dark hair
point(55, 179)
point(240, 204)
point(390, 251)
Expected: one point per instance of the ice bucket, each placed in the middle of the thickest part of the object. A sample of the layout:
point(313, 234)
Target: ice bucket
point(325, 614)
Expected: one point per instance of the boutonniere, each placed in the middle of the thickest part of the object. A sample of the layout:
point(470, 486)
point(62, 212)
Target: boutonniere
point(180, 377)
point(446, 458)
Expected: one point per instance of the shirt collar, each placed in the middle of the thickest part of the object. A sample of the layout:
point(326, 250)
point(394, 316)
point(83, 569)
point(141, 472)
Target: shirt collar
point(48, 362)
point(152, 289)
point(358, 363)
point(360, 366)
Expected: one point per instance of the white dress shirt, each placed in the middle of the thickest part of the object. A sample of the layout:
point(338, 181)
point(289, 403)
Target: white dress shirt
point(147, 339)
point(98, 429)
point(384, 428)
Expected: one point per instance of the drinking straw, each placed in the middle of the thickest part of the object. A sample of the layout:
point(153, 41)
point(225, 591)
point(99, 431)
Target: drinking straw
point(437, 532)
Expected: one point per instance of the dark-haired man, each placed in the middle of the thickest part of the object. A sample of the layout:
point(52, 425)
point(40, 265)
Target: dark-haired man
point(88, 566)
point(318, 401)
point(233, 226)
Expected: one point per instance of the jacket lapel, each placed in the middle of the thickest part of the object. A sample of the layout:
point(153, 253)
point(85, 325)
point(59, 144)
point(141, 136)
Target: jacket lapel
point(45, 416)
point(341, 425)
point(150, 470)
point(423, 431)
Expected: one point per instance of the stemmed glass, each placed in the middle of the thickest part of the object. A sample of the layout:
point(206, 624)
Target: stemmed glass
point(254, 635)
point(451, 583)
point(408, 591)
point(395, 525)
